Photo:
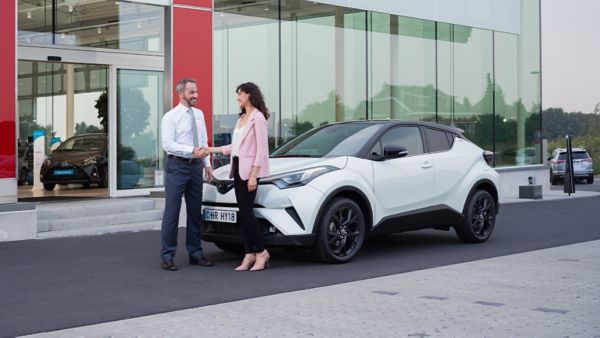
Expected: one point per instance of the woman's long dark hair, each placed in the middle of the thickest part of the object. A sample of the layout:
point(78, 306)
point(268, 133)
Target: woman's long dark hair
point(256, 98)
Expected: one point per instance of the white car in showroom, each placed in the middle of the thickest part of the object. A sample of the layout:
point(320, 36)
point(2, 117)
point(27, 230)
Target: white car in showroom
point(333, 186)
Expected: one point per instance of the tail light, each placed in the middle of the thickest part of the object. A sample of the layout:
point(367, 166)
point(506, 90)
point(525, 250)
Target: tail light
point(589, 159)
point(561, 161)
point(488, 156)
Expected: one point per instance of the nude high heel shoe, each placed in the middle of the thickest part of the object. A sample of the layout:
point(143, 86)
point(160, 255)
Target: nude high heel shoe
point(249, 259)
point(262, 261)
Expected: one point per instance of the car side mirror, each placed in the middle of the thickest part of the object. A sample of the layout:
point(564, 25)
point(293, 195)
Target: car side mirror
point(394, 152)
point(550, 158)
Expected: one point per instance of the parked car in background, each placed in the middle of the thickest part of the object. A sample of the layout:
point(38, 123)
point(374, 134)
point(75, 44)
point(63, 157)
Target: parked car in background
point(583, 165)
point(80, 159)
point(333, 186)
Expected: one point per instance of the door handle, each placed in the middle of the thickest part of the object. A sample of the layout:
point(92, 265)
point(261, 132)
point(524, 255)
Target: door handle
point(426, 165)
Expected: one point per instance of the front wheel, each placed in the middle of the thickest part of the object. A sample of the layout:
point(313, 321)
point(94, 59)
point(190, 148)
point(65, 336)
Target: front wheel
point(103, 178)
point(49, 186)
point(479, 218)
point(590, 180)
point(341, 231)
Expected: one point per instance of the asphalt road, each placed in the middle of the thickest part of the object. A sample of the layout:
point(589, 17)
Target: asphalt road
point(60, 283)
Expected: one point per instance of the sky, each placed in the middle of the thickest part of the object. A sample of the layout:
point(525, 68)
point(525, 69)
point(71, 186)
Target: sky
point(571, 54)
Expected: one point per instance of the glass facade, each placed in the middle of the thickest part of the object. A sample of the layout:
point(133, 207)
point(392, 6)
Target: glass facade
point(139, 110)
point(92, 23)
point(319, 63)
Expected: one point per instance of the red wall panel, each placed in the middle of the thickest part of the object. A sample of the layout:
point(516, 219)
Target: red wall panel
point(7, 89)
point(198, 3)
point(192, 56)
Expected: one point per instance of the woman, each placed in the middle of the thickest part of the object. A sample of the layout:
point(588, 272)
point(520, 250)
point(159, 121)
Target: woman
point(249, 151)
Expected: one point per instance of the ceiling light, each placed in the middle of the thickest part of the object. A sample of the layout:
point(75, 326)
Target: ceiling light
point(99, 30)
point(63, 35)
point(117, 2)
point(28, 15)
point(139, 25)
point(70, 8)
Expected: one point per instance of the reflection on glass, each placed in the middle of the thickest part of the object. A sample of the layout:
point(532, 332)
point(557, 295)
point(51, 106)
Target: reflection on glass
point(139, 103)
point(402, 67)
point(92, 23)
point(34, 21)
point(246, 49)
point(465, 81)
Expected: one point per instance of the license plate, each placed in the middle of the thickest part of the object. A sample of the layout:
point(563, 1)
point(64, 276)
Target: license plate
point(216, 215)
point(577, 165)
point(64, 172)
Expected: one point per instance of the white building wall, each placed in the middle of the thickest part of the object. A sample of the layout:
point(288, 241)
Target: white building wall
point(497, 15)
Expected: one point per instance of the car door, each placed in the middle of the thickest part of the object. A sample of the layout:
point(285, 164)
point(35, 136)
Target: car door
point(402, 185)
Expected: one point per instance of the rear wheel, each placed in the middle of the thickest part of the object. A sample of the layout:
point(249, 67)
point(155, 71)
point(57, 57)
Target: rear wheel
point(49, 186)
point(341, 231)
point(103, 178)
point(479, 218)
point(234, 248)
point(553, 179)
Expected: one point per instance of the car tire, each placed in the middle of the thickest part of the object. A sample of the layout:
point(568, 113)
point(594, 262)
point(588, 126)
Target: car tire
point(233, 248)
point(86, 185)
point(553, 179)
point(590, 180)
point(49, 186)
point(479, 218)
point(341, 231)
point(103, 183)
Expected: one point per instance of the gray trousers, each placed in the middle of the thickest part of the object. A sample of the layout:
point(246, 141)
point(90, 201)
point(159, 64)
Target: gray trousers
point(182, 179)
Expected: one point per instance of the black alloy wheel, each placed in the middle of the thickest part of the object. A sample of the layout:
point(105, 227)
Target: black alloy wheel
point(479, 218)
point(341, 231)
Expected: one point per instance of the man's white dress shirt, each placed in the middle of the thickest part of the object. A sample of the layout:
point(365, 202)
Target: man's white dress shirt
point(177, 134)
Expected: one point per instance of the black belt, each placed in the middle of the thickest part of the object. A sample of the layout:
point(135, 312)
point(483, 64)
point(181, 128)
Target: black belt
point(185, 159)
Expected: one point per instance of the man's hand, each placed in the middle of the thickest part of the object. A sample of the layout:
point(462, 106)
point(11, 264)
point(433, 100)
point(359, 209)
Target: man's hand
point(200, 152)
point(208, 174)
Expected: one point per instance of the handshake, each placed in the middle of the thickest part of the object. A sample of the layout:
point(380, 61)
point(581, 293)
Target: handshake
point(201, 152)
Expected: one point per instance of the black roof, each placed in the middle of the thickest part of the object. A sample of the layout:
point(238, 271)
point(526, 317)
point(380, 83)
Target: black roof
point(412, 123)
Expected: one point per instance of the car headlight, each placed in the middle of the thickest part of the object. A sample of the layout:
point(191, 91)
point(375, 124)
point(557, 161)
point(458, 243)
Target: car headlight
point(297, 178)
point(89, 160)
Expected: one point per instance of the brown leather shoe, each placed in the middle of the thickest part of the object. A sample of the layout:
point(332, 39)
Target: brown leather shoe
point(168, 266)
point(200, 261)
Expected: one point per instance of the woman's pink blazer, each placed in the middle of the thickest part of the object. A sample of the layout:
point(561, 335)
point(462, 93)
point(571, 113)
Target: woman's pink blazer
point(254, 148)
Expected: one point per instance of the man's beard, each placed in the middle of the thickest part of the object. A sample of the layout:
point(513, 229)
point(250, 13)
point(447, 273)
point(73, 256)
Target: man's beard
point(190, 102)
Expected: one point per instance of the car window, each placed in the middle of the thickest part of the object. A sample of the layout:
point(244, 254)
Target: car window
point(437, 140)
point(376, 150)
point(407, 137)
point(345, 139)
point(450, 137)
point(577, 155)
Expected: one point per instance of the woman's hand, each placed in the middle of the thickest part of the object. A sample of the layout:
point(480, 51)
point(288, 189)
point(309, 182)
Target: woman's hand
point(251, 183)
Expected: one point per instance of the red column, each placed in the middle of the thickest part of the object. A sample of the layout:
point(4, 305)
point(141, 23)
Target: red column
point(8, 87)
point(192, 51)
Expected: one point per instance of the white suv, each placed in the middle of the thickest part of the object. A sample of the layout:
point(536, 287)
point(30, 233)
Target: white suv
point(334, 185)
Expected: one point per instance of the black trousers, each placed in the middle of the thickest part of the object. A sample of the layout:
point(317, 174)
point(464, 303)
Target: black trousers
point(250, 230)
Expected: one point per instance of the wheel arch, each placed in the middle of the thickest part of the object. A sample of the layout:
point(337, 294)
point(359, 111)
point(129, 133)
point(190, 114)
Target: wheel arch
point(486, 185)
point(355, 195)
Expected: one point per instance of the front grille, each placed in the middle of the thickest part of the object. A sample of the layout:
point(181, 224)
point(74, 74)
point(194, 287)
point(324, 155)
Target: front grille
point(231, 229)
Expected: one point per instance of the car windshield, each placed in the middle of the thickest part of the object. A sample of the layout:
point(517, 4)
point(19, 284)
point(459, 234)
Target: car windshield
point(345, 139)
point(577, 155)
point(82, 144)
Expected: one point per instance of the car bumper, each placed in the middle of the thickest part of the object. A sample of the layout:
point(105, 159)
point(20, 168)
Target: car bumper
point(81, 174)
point(576, 174)
point(286, 216)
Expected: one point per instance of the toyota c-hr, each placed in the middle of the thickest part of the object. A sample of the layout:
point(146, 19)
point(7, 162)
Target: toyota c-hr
point(333, 186)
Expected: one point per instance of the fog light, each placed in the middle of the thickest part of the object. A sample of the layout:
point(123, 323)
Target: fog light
point(272, 229)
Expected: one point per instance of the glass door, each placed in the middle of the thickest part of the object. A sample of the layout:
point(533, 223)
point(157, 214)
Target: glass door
point(139, 158)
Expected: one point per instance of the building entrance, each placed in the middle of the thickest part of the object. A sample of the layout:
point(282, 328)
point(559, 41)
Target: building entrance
point(63, 118)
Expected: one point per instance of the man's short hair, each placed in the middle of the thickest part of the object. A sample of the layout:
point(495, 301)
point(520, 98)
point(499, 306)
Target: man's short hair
point(181, 84)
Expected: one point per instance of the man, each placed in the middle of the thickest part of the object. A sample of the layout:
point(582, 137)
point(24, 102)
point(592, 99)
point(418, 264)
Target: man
point(183, 137)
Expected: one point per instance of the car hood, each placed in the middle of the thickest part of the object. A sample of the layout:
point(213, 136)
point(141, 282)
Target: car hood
point(72, 156)
point(286, 164)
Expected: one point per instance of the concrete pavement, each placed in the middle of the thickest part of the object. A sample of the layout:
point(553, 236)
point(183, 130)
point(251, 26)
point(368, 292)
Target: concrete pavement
point(547, 293)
